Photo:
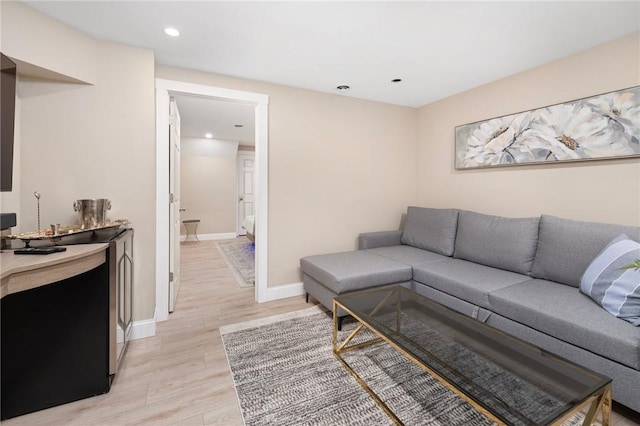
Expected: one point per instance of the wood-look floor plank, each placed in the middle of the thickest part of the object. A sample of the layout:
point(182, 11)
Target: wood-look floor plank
point(224, 415)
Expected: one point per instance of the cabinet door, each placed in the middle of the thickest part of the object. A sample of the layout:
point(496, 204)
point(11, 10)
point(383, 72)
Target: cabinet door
point(54, 343)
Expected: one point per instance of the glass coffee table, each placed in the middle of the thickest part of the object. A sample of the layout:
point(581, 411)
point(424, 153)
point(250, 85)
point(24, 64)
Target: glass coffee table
point(508, 380)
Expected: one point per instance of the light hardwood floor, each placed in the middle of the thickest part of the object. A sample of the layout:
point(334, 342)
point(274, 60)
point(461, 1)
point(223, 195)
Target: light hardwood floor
point(181, 375)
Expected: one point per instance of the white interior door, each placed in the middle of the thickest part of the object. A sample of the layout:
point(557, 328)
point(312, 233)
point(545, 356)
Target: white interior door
point(246, 188)
point(174, 201)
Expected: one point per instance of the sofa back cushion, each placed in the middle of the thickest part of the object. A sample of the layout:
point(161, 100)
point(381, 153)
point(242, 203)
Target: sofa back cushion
point(500, 242)
point(566, 247)
point(431, 229)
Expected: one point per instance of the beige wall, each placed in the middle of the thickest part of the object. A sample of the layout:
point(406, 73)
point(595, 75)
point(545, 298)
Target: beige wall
point(90, 141)
point(337, 166)
point(45, 45)
point(607, 191)
point(208, 188)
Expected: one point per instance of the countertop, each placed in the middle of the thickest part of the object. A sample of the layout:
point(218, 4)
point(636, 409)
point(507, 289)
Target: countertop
point(24, 272)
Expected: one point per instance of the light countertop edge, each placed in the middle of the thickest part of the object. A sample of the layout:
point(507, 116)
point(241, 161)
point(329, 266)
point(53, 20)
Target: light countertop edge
point(14, 264)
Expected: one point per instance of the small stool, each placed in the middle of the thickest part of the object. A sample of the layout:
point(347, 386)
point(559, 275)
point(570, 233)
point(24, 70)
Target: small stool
point(192, 229)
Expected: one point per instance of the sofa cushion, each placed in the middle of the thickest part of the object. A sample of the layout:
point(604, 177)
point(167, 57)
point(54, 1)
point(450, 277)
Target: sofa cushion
point(354, 270)
point(430, 229)
point(566, 247)
point(564, 313)
point(610, 284)
point(452, 302)
point(465, 280)
point(408, 255)
point(369, 240)
point(500, 242)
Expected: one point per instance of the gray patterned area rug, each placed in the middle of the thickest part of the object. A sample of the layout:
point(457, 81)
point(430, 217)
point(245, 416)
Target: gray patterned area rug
point(285, 373)
point(240, 257)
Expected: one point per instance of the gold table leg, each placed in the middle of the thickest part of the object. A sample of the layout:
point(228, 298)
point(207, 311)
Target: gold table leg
point(338, 349)
point(602, 403)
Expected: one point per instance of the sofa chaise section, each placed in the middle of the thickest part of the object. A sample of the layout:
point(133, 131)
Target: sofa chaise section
point(328, 275)
point(383, 259)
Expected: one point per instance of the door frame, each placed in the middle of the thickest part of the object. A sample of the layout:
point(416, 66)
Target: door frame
point(261, 103)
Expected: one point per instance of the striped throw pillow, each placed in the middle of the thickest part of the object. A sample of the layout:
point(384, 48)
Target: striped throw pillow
point(614, 288)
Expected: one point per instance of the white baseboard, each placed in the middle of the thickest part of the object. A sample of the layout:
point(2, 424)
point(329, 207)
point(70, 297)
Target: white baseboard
point(142, 329)
point(221, 236)
point(284, 291)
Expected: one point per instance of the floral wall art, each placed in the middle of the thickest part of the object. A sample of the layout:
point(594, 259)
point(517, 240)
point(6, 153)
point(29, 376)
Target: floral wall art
point(599, 127)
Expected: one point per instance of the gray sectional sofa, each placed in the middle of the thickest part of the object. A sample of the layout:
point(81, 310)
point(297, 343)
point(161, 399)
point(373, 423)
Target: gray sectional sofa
point(518, 275)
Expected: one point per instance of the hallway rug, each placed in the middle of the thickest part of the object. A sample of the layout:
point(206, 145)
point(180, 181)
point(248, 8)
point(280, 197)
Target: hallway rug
point(285, 373)
point(240, 258)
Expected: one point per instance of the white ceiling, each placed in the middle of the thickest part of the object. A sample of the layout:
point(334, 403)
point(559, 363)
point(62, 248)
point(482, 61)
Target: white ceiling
point(199, 116)
point(438, 49)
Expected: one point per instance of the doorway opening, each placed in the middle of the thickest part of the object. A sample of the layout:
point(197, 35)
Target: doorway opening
point(164, 90)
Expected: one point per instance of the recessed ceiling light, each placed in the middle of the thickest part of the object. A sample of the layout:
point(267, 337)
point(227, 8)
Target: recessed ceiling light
point(343, 87)
point(238, 125)
point(396, 80)
point(171, 32)
point(208, 135)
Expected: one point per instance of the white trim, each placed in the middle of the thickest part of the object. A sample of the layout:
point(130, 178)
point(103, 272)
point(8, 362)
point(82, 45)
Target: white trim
point(261, 199)
point(261, 103)
point(284, 291)
point(162, 204)
point(212, 91)
point(142, 329)
point(220, 236)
